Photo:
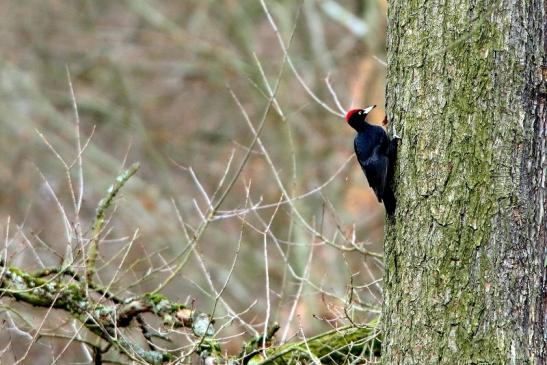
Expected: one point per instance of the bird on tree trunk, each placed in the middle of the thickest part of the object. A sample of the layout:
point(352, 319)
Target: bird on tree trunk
point(376, 154)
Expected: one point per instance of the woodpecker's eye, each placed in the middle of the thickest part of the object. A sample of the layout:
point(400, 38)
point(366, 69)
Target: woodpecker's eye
point(360, 112)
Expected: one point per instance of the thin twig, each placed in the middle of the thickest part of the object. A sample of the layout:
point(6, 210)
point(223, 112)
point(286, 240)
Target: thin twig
point(183, 257)
point(100, 221)
point(291, 64)
point(333, 94)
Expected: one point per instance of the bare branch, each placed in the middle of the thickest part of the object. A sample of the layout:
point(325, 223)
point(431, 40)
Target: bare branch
point(100, 221)
point(285, 50)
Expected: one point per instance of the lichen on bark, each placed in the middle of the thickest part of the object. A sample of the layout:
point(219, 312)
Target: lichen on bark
point(464, 261)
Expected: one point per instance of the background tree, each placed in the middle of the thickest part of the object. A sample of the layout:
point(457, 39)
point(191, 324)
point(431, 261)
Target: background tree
point(465, 261)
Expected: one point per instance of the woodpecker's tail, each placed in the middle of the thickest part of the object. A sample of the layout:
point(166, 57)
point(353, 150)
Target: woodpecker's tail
point(389, 201)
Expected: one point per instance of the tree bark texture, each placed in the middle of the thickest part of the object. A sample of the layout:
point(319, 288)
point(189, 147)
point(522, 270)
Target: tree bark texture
point(465, 258)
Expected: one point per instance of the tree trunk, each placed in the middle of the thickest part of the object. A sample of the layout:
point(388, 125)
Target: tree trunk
point(465, 258)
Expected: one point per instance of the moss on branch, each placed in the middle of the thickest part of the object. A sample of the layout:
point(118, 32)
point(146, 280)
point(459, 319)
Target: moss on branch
point(339, 346)
point(105, 314)
point(104, 320)
point(99, 222)
point(107, 319)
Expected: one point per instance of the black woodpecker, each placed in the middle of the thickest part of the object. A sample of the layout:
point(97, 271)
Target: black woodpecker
point(376, 154)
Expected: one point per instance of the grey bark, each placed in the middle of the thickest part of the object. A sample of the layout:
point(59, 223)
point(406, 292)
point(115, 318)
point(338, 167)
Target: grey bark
point(466, 256)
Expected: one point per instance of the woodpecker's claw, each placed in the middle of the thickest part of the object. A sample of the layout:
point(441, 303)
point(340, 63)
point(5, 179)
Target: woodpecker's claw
point(395, 135)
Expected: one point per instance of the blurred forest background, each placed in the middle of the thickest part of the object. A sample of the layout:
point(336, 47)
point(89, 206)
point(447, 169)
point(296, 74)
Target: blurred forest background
point(152, 82)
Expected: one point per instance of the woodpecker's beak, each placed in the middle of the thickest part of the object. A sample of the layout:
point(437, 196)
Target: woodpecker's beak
point(369, 109)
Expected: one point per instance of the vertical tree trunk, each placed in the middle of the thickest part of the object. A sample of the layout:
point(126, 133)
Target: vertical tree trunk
point(465, 259)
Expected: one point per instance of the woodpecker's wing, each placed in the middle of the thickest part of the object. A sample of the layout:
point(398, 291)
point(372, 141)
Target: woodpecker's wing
point(375, 168)
point(376, 171)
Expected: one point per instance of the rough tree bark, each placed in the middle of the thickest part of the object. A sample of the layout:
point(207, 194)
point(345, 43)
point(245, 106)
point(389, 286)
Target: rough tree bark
point(465, 259)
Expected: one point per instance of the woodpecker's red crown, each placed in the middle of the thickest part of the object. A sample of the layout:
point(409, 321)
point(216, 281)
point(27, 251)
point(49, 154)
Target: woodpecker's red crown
point(362, 112)
point(351, 113)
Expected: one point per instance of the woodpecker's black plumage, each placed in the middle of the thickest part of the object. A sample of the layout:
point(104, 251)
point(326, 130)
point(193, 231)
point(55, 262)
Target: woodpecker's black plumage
point(376, 154)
